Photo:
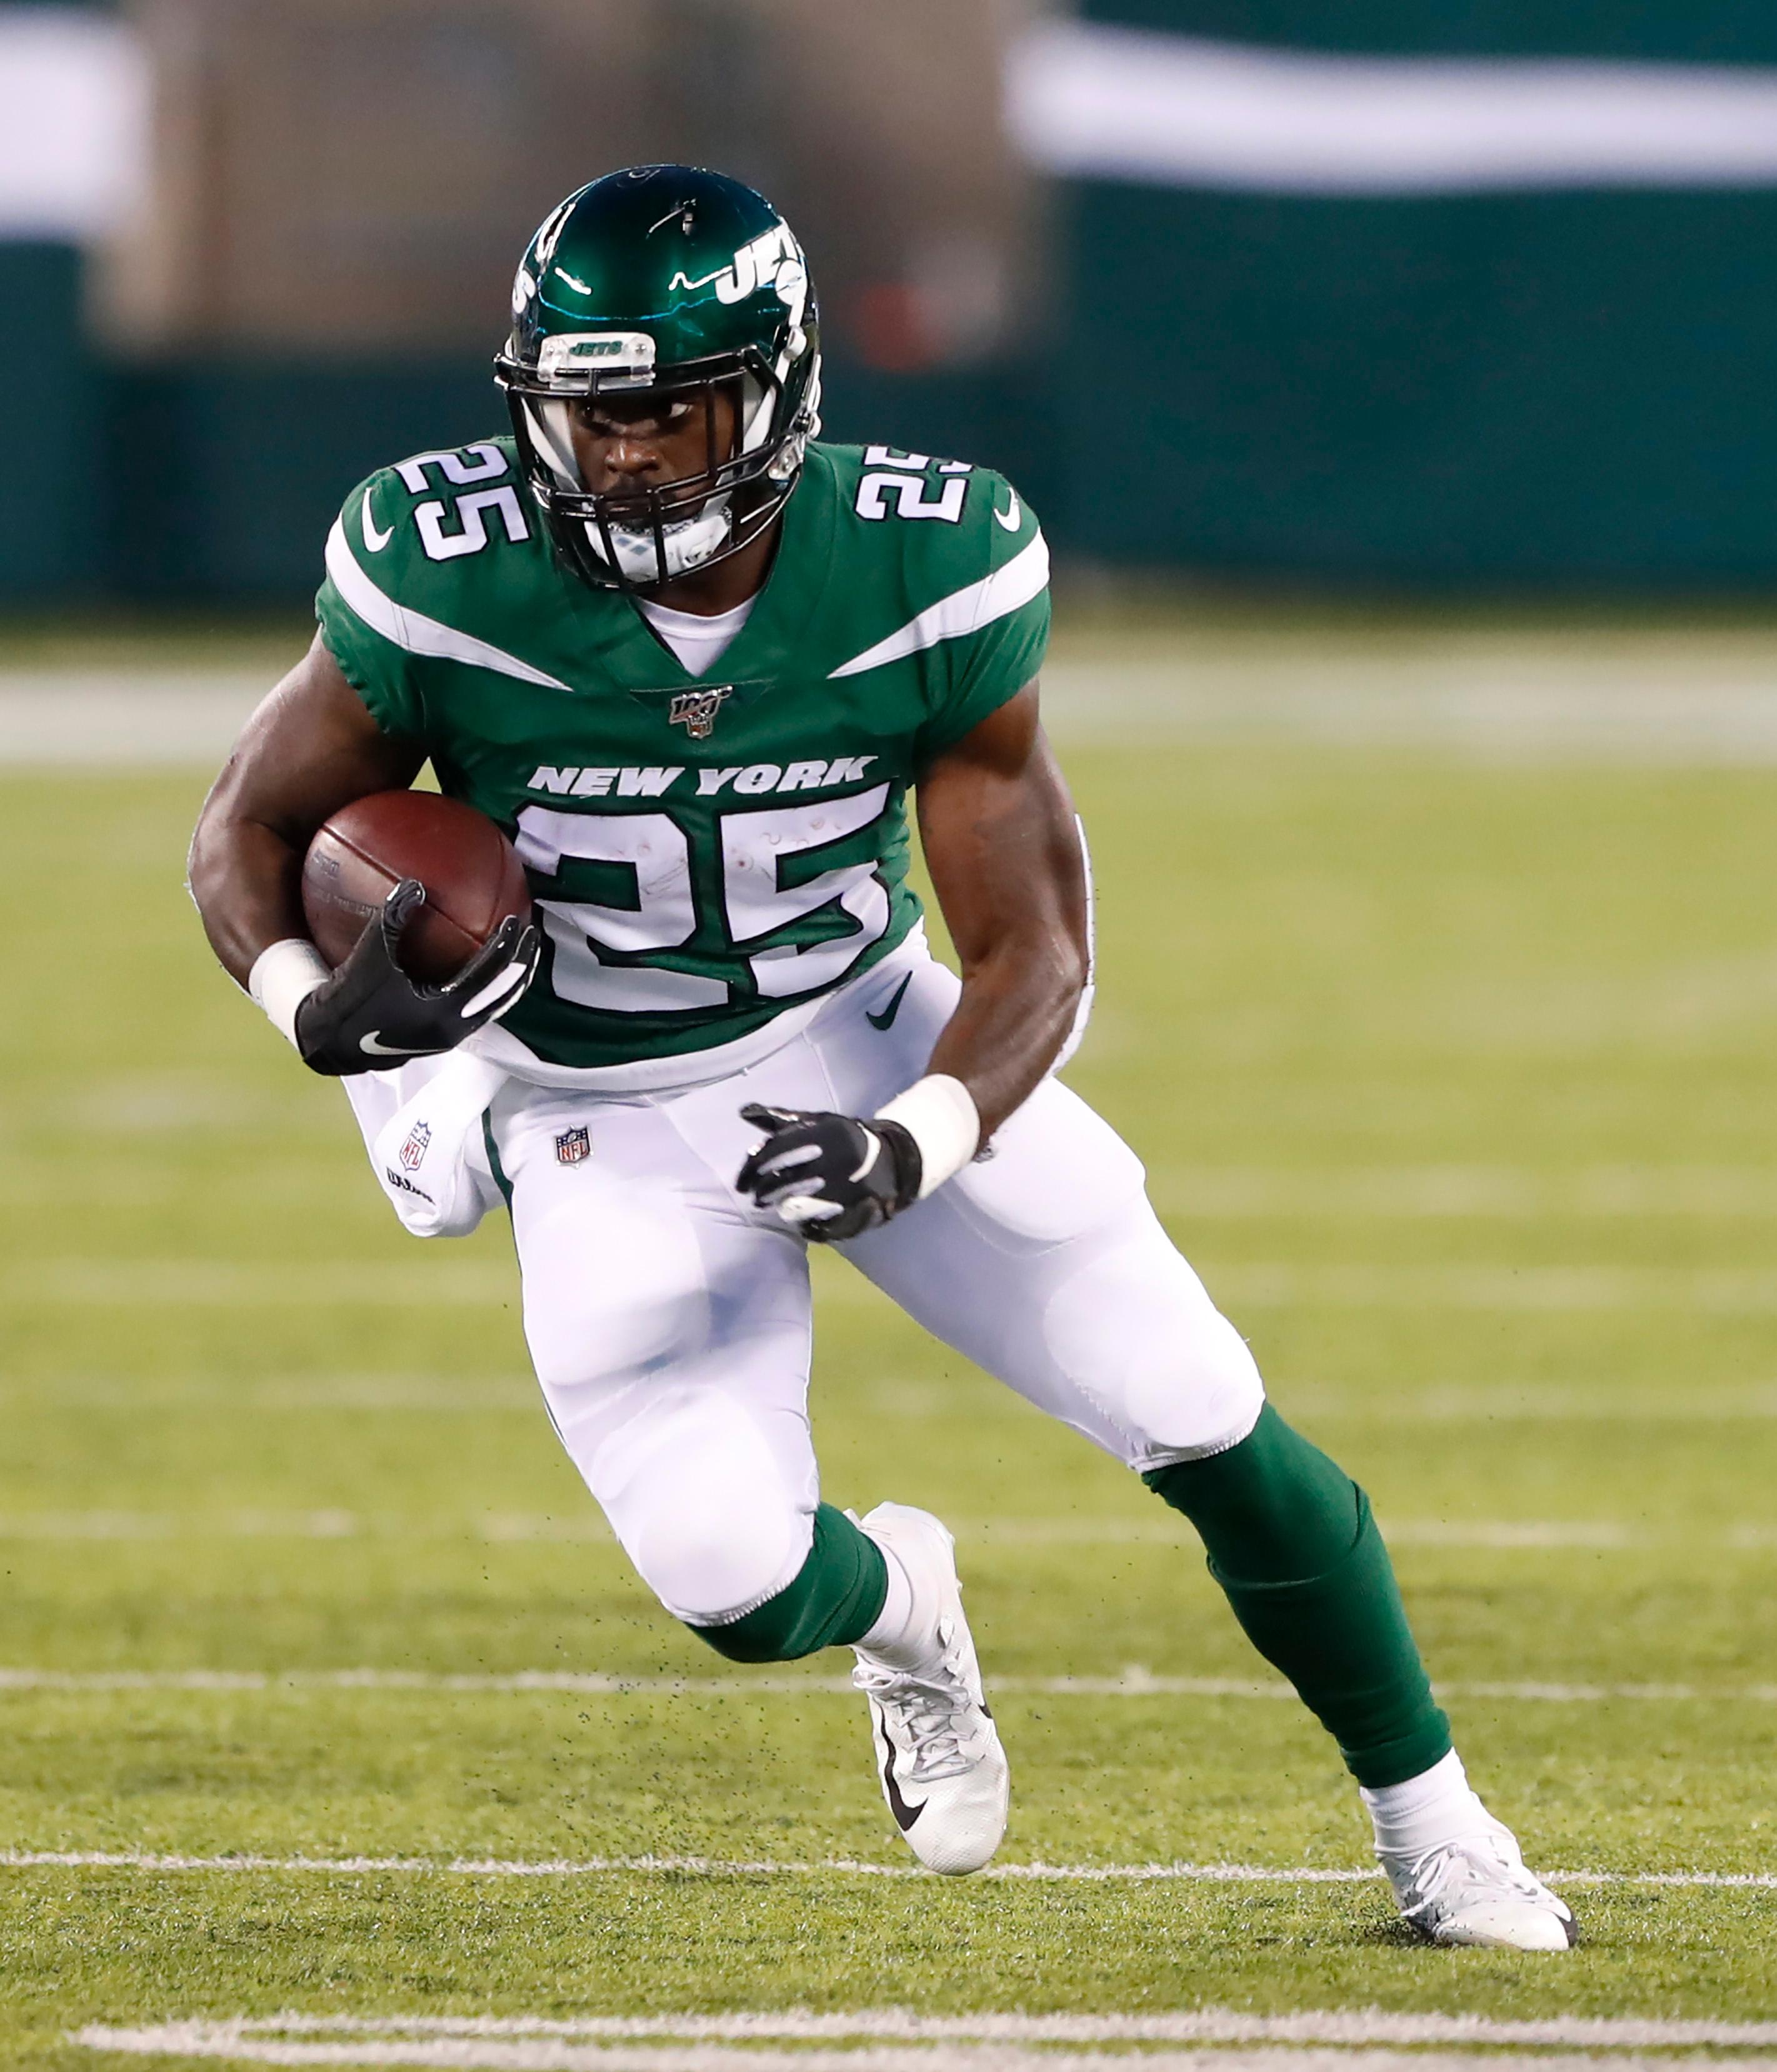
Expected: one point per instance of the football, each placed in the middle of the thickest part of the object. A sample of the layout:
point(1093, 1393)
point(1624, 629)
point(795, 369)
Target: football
point(471, 874)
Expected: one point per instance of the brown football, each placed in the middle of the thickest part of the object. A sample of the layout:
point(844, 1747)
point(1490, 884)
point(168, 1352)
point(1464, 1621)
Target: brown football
point(471, 874)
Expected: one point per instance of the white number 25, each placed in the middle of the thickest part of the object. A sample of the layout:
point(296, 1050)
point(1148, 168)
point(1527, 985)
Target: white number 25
point(755, 904)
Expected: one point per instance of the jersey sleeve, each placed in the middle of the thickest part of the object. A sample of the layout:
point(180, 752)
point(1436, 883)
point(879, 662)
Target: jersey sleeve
point(1001, 621)
point(349, 602)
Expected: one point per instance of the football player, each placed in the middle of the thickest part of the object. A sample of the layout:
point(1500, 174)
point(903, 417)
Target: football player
point(694, 662)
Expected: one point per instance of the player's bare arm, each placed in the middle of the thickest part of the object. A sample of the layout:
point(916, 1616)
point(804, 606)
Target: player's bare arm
point(311, 748)
point(1003, 844)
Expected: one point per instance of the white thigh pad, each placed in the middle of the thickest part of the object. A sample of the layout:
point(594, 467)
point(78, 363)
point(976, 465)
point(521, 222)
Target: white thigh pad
point(1046, 1266)
point(614, 1288)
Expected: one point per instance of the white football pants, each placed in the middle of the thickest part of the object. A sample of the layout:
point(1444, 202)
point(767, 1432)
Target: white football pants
point(670, 1318)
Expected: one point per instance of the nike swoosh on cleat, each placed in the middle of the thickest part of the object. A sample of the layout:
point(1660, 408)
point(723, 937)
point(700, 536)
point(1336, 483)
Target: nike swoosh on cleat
point(376, 540)
point(373, 1046)
point(905, 1815)
point(1013, 516)
point(882, 1021)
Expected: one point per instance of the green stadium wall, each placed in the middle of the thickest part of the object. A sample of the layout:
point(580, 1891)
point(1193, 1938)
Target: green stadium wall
point(187, 480)
point(1525, 391)
point(51, 411)
point(1568, 389)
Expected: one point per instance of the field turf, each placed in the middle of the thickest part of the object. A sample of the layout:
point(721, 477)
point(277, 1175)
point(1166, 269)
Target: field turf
point(1458, 1081)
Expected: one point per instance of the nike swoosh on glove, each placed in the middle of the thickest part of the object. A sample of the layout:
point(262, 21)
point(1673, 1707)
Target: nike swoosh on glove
point(371, 1015)
point(829, 1176)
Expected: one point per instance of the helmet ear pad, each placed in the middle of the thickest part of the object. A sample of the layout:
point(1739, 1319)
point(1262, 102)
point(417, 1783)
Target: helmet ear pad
point(549, 420)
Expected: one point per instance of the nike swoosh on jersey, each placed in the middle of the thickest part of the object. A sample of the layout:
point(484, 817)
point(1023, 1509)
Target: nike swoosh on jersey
point(373, 1046)
point(376, 540)
point(1011, 518)
point(882, 1021)
point(905, 1815)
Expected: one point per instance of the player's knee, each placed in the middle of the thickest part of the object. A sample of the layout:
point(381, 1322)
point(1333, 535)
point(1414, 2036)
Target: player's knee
point(1208, 1400)
point(1137, 1330)
point(703, 1507)
point(724, 1557)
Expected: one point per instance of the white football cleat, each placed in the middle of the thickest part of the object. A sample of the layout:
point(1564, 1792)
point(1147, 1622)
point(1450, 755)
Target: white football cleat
point(1476, 1891)
point(943, 1769)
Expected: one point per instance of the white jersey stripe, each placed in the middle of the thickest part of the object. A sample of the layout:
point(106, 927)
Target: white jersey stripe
point(965, 610)
point(412, 630)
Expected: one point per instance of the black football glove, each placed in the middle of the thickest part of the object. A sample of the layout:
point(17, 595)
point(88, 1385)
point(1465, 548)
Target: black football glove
point(370, 1016)
point(829, 1176)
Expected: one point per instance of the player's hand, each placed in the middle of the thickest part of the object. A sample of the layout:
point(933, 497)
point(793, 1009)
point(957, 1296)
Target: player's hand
point(370, 1016)
point(829, 1176)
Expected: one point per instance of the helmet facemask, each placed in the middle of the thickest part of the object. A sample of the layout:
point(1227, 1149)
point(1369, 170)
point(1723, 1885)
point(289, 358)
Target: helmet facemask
point(640, 538)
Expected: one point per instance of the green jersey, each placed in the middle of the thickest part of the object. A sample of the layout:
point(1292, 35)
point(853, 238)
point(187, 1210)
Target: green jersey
point(705, 851)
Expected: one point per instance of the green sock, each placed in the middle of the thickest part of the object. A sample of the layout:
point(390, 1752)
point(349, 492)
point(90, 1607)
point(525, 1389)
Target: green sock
point(836, 1597)
point(1291, 1540)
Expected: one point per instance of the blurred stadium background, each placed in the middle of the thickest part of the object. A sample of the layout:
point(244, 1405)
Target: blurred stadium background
point(1449, 298)
point(1395, 382)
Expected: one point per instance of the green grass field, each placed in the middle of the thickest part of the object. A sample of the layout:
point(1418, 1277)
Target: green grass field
point(1459, 1082)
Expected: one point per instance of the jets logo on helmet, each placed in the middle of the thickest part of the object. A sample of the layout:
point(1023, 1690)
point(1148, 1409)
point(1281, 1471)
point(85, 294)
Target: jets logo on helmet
point(772, 261)
point(674, 281)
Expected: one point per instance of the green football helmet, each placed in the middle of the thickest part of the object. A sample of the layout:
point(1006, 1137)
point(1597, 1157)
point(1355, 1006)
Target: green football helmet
point(663, 278)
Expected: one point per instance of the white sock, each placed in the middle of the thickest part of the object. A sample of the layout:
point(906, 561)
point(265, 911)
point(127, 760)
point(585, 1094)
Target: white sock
point(1434, 1807)
point(898, 1636)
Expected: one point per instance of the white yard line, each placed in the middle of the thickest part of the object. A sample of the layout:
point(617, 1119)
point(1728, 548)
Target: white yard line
point(1212, 2025)
point(494, 2053)
point(649, 1866)
point(586, 1528)
point(1135, 1682)
point(1531, 1402)
point(1719, 1291)
point(1239, 1193)
point(1700, 697)
point(188, 1284)
point(100, 720)
point(1425, 1403)
point(495, 1528)
point(1500, 1532)
point(443, 1398)
point(210, 1283)
point(1505, 698)
point(1430, 1403)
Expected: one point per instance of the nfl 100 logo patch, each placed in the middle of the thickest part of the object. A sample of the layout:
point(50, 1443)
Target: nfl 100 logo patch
point(574, 1146)
point(696, 710)
point(413, 1151)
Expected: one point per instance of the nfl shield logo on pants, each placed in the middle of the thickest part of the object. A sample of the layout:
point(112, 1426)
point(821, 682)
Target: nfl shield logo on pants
point(414, 1150)
point(573, 1145)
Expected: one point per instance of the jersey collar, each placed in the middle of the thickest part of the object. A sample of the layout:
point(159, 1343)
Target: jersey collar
point(783, 610)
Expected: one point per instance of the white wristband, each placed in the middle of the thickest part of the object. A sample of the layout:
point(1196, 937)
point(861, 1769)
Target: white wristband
point(282, 978)
point(939, 1113)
